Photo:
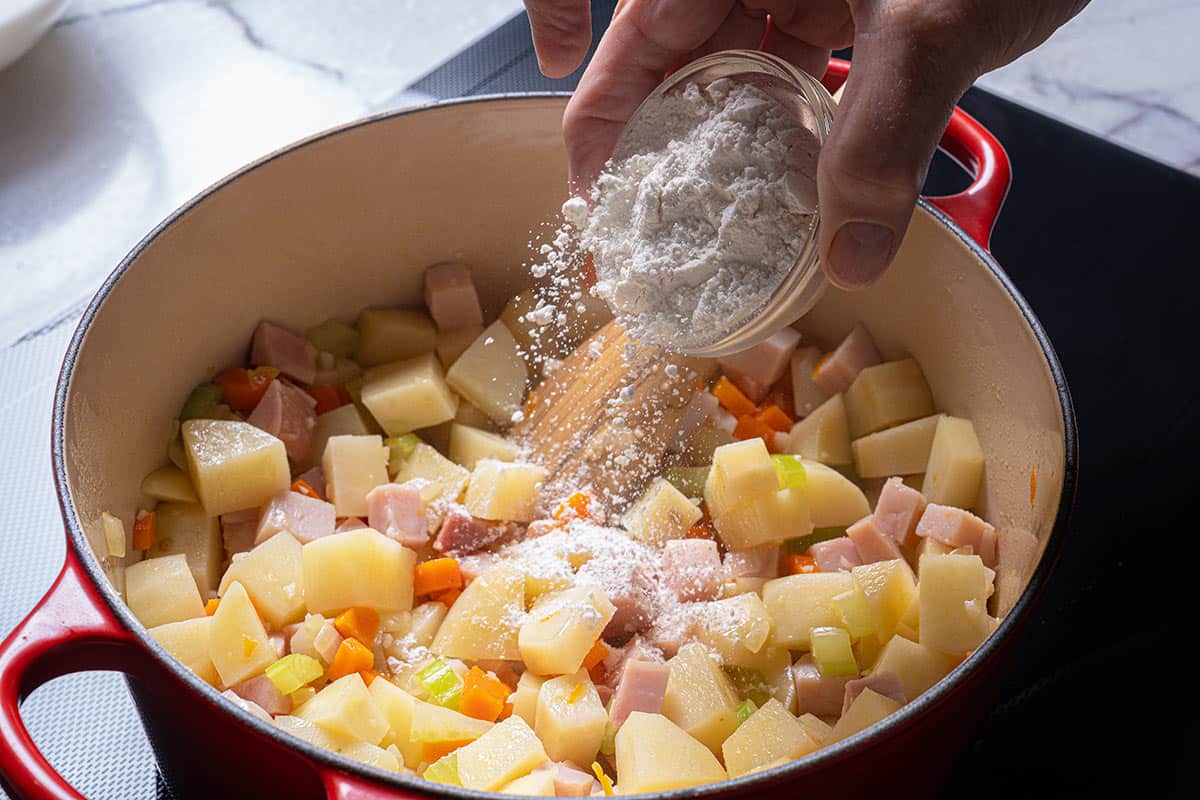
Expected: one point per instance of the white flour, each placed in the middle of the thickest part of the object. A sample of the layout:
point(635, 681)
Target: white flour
point(693, 232)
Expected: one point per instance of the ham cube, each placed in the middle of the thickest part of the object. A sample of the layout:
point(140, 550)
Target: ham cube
point(886, 683)
point(816, 693)
point(321, 645)
point(666, 636)
point(291, 354)
point(315, 478)
point(619, 658)
point(703, 406)
point(396, 511)
point(288, 414)
point(238, 531)
point(462, 534)
point(834, 373)
point(763, 364)
point(451, 298)
point(572, 782)
point(692, 569)
point(754, 562)
point(642, 688)
point(350, 524)
point(958, 528)
point(304, 517)
point(837, 554)
point(260, 691)
point(471, 567)
point(630, 588)
point(871, 543)
point(249, 706)
point(898, 510)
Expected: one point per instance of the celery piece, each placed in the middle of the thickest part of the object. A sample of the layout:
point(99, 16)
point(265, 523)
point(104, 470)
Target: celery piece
point(354, 389)
point(334, 336)
point(293, 671)
point(444, 770)
point(855, 611)
point(402, 446)
point(688, 480)
point(789, 470)
point(745, 710)
point(800, 546)
point(608, 744)
point(831, 650)
point(201, 403)
point(443, 683)
point(749, 683)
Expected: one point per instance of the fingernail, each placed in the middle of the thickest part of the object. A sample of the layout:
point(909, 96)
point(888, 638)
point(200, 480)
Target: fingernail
point(859, 254)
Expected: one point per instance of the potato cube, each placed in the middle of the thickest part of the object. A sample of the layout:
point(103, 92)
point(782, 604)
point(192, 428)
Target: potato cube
point(186, 528)
point(491, 374)
point(524, 699)
point(887, 394)
point(954, 595)
point(162, 590)
point(273, 577)
point(115, 536)
point(772, 517)
point(539, 783)
point(562, 628)
point(372, 756)
point(902, 450)
point(890, 589)
point(306, 731)
point(433, 724)
point(406, 395)
point(237, 641)
point(955, 464)
point(700, 698)
point(918, 667)
point(740, 472)
point(501, 491)
point(771, 734)
point(867, 709)
point(357, 568)
point(426, 619)
point(736, 628)
point(397, 707)
point(823, 435)
point(799, 603)
point(661, 514)
point(452, 344)
point(234, 465)
point(653, 754)
point(347, 712)
point(169, 484)
point(187, 642)
point(468, 445)
point(834, 501)
point(347, 420)
point(446, 480)
point(806, 395)
point(353, 466)
point(391, 334)
point(570, 719)
point(485, 620)
point(817, 728)
point(503, 754)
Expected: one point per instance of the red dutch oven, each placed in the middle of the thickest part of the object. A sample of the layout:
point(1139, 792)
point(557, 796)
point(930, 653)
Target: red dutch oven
point(349, 218)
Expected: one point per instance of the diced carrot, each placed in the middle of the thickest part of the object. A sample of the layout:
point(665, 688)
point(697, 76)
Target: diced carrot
point(781, 393)
point(483, 695)
point(732, 398)
point(210, 607)
point(368, 675)
point(701, 530)
point(578, 505)
point(587, 272)
point(598, 673)
point(436, 575)
point(241, 389)
point(1033, 487)
point(328, 398)
point(145, 530)
point(531, 403)
point(799, 564)
point(505, 713)
point(432, 751)
point(446, 598)
point(597, 654)
point(303, 487)
point(351, 656)
point(358, 622)
point(774, 418)
point(821, 362)
point(748, 427)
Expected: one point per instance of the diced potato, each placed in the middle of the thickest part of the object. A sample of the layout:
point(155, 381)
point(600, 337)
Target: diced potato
point(303, 729)
point(890, 589)
point(866, 652)
point(391, 334)
point(407, 395)
point(700, 698)
point(834, 501)
point(347, 420)
point(661, 514)
point(186, 528)
point(917, 666)
point(902, 450)
point(491, 374)
point(500, 756)
point(562, 628)
point(954, 595)
point(570, 718)
point(338, 373)
point(452, 344)
point(955, 464)
point(867, 709)
point(485, 620)
point(187, 642)
point(346, 710)
point(162, 590)
point(770, 734)
point(372, 756)
point(524, 699)
point(824, 434)
point(817, 728)
point(273, 577)
point(115, 535)
point(910, 624)
point(740, 472)
point(234, 465)
point(504, 491)
point(468, 445)
point(744, 586)
point(799, 603)
point(805, 392)
point(357, 568)
point(237, 641)
point(426, 619)
point(771, 517)
point(335, 337)
point(433, 724)
point(928, 546)
point(353, 466)
point(775, 664)
point(397, 707)
point(539, 783)
point(653, 754)
point(169, 484)
point(887, 394)
point(446, 480)
point(736, 628)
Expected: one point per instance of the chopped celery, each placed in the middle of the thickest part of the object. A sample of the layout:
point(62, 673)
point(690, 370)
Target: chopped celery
point(855, 611)
point(608, 744)
point(749, 683)
point(800, 546)
point(334, 336)
point(201, 403)
point(442, 682)
point(745, 710)
point(444, 770)
point(689, 480)
point(789, 470)
point(831, 650)
point(294, 671)
point(402, 446)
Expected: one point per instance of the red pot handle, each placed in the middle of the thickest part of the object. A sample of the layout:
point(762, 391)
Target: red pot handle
point(70, 630)
point(344, 786)
point(975, 208)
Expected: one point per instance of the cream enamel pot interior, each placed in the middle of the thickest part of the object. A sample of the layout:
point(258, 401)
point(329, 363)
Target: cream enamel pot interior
point(349, 219)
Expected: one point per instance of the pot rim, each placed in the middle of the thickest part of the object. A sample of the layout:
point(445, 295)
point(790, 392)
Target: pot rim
point(822, 758)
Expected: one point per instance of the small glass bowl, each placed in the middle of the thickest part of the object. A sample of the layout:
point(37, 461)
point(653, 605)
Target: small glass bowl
point(802, 286)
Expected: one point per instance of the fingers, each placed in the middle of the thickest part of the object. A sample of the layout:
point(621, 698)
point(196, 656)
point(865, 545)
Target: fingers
point(824, 24)
point(741, 30)
point(562, 31)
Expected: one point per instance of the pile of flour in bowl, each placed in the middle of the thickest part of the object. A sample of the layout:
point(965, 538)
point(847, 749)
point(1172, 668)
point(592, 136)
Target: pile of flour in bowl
point(695, 228)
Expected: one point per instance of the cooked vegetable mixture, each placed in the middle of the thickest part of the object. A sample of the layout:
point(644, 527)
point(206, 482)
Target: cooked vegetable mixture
point(347, 544)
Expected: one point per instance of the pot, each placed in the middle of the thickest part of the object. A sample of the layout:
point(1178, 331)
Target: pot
point(349, 218)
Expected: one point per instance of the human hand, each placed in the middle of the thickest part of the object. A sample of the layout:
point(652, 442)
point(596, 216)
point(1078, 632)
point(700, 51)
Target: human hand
point(913, 59)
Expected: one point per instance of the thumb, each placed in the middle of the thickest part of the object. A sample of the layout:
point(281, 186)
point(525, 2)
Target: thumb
point(562, 31)
point(904, 83)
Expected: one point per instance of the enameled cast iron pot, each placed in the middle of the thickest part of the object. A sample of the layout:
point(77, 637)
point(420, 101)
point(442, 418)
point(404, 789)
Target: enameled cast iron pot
point(350, 218)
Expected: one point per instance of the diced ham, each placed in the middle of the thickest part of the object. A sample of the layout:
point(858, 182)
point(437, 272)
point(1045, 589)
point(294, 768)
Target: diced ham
point(287, 413)
point(396, 511)
point(315, 478)
point(451, 298)
point(958, 528)
point(350, 524)
point(832, 555)
point(898, 509)
point(630, 588)
point(471, 567)
point(280, 643)
point(702, 406)
point(291, 354)
point(838, 370)
point(637, 649)
point(886, 683)
point(692, 569)
point(606, 693)
point(262, 692)
point(761, 365)
point(750, 387)
point(667, 636)
point(247, 705)
point(642, 688)
point(816, 693)
point(325, 642)
point(871, 543)
point(540, 527)
point(238, 530)
point(304, 517)
point(462, 534)
point(754, 562)
point(572, 782)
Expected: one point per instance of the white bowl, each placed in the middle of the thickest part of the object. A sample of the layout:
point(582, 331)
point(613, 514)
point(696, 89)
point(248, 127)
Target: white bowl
point(22, 23)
